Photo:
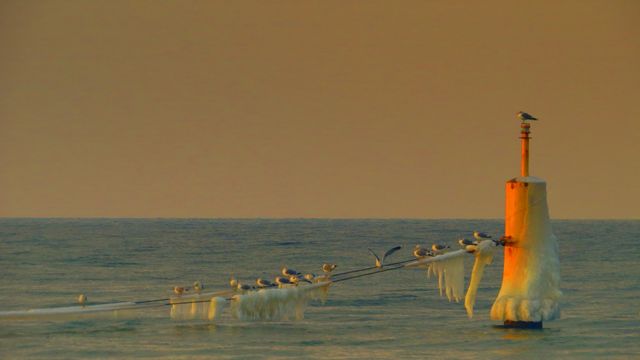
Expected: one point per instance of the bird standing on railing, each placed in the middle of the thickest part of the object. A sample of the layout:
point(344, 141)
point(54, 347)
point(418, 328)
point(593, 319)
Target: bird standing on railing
point(263, 283)
point(328, 267)
point(419, 252)
point(438, 248)
point(466, 242)
point(282, 281)
point(289, 272)
point(481, 236)
point(179, 290)
point(82, 299)
point(233, 283)
point(244, 287)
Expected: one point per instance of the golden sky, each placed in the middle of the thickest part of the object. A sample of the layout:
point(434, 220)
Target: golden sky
point(316, 108)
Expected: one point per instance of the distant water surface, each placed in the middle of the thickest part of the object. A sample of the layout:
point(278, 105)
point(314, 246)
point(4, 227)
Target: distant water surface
point(398, 314)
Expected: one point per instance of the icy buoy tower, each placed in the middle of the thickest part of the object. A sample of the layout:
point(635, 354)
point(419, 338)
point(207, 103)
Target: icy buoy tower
point(530, 282)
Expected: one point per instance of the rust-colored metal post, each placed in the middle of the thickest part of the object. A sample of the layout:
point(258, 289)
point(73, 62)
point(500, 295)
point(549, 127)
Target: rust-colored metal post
point(524, 161)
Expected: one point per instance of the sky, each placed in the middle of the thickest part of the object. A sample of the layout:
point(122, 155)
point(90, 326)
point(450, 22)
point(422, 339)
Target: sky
point(316, 109)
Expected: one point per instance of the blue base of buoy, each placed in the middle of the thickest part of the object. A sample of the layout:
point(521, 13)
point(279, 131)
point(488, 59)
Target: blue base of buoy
point(508, 324)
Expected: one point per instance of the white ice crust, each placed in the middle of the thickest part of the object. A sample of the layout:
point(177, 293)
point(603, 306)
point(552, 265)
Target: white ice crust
point(530, 287)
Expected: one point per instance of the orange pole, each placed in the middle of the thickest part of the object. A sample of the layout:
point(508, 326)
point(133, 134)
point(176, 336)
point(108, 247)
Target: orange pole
point(524, 161)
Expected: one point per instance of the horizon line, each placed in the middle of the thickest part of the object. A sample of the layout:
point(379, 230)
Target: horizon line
point(274, 218)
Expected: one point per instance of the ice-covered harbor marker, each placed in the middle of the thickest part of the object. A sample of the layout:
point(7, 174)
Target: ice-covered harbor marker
point(530, 282)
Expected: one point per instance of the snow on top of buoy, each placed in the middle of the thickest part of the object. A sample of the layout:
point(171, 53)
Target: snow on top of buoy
point(528, 179)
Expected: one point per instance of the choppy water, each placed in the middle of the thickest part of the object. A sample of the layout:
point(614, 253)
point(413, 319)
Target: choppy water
point(46, 262)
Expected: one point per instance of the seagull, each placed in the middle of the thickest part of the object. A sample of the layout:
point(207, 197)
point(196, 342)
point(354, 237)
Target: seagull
point(264, 283)
point(179, 290)
point(289, 272)
point(296, 279)
point(439, 247)
point(82, 299)
point(197, 286)
point(420, 252)
point(328, 267)
point(282, 281)
point(244, 287)
point(524, 116)
point(310, 277)
point(466, 242)
point(481, 236)
point(233, 282)
point(380, 262)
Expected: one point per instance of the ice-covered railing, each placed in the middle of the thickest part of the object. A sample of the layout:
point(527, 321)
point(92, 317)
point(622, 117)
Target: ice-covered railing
point(288, 302)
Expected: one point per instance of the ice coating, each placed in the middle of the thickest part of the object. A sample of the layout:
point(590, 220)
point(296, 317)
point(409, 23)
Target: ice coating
point(277, 304)
point(197, 308)
point(531, 278)
point(483, 256)
point(215, 307)
point(450, 274)
point(449, 268)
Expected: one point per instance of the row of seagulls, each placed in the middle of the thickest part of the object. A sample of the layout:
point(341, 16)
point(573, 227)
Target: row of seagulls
point(379, 261)
point(469, 245)
point(196, 287)
point(288, 277)
point(293, 277)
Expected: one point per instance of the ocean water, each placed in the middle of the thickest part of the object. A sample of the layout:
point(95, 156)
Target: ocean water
point(397, 314)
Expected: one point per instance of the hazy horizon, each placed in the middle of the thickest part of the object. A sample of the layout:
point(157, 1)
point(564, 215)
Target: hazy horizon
point(333, 109)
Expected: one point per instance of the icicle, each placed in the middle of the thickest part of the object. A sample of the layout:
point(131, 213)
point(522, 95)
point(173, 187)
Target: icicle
point(276, 304)
point(215, 307)
point(189, 308)
point(450, 272)
point(484, 256)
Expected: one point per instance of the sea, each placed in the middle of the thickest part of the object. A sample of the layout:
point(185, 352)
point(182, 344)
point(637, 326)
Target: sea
point(393, 315)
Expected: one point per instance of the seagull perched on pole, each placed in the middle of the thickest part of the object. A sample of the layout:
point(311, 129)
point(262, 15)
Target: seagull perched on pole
point(524, 116)
point(380, 262)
